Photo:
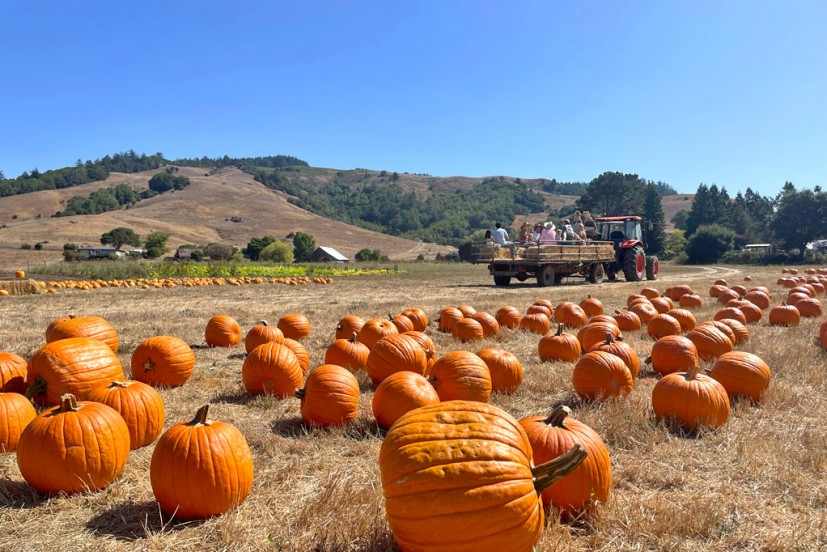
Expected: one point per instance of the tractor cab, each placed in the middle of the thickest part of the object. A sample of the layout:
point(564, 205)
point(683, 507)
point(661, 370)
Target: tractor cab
point(627, 234)
point(620, 229)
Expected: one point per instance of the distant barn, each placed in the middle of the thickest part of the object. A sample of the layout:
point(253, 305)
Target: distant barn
point(326, 255)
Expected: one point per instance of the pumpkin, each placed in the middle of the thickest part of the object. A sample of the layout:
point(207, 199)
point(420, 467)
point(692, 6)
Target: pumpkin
point(662, 325)
point(595, 332)
point(374, 330)
point(163, 360)
point(505, 369)
point(537, 323)
point(509, 317)
point(448, 317)
point(684, 317)
point(271, 369)
point(75, 365)
point(222, 331)
point(742, 374)
point(710, 341)
point(395, 353)
point(400, 393)
point(348, 325)
point(480, 495)
point(467, 329)
point(294, 326)
point(604, 318)
point(636, 298)
point(460, 375)
point(201, 468)
point(347, 353)
point(650, 292)
point(559, 346)
point(533, 309)
point(12, 373)
point(418, 317)
point(716, 290)
point(300, 351)
point(19, 274)
point(601, 375)
point(330, 396)
point(621, 350)
point(809, 308)
point(739, 289)
point(692, 399)
point(570, 315)
point(83, 326)
point(15, 414)
point(466, 310)
point(591, 306)
point(645, 311)
point(427, 345)
point(74, 447)
point(739, 330)
point(673, 353)
point(822, 330)
point(727, 295)
point(260, 334)
point(731, 312)
point(662, 304)
point(627, 320)
point(490, 326)
point(675, 293)
point(690, 301)
point(589, 484)
point(751, 311)
point(545, 303)
point(140, 405)
point(403, 323)
point(784, 315)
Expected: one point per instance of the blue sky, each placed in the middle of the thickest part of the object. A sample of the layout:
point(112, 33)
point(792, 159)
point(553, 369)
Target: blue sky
point(732, 93)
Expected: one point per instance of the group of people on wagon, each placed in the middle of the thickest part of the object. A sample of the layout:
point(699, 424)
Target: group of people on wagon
point(580, 228)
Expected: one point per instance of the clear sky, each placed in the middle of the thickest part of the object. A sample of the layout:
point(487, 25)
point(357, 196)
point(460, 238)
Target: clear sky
point(725, 92)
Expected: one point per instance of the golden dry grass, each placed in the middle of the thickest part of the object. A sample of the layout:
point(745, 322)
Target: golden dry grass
point(757, 484)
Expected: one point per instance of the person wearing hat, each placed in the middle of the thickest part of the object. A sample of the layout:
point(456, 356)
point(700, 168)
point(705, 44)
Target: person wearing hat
point(549, 234)
point(525, 233)
point(538, 231)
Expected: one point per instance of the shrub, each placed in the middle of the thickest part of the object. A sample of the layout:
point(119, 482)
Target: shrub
point(277, 252)
point(197, 255)
point(38, 246)
point(25, 246)
point(370, 255)
point(219, 251)
point(709, 243)
point(70, 255)
point(69, 247)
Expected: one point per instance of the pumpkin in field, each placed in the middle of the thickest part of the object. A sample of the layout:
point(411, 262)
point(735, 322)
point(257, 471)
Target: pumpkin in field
point(742, 374)
point(448, 317)
point(395, 353)
point(466, 310)
point(673, 353)
point(482, 495)
point(347, 353)
point(589, 484)
point(739, 330)
point(595, 332)
point(662, 325)
point(627, 321)
point(15, 414)
point(758, 298)
point(214, 459)
point(403, 323)
point(730, 312)
point(83, 326)
point(685, 318)
point(692, 399)
point(222, 331)
point(301, 353)
point(374, 330)
point(349, 325)
point(260, 334)
point(559, 346)
point(650, 293)
point(467, 329)
point(604, 318)
point(19, 274)
point(330, 396)
point(427, 345)
point(810, 308)
point(139, 404)
point(12, 373)
point(710, 341)
point(622, 350)
point(163, 360)
point(662, 304)
point(675, 293)
point(75, 365)
point(644, 310)
point(73, 447)
point(505, 369)
point(460, 375)
point(400, 393)
point(536, 322)
point(784, 315)
point(294, 326)
point(822, 330)
point(570, 314)
point(601, 375)
point(271, 369)
point(532, 309)
point(418, 317)
point(690, 301)
point(490, 326)
point(509, 317)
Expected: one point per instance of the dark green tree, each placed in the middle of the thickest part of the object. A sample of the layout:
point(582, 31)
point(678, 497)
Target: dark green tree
point(303, 245)
point(255, 245)
point(653, 212)
point(219, 251)
point(703, 209)
point(679, 219)
point(800, 217)
point(156, 244)
point(118, 237)
point(709, 243)
point(614, 193)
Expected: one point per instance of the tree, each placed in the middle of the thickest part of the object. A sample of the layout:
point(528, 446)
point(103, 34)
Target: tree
point(800, 217)
point(219, 251)
point(255, 245)
point(675, 243)
point(614, 193)
point(164, 181)
point(156, 244)
point(653, 212)
point(118, 237)
point(370, 255)
point(679, 219)
point(709, 243)
point(303, 246)
point(277, 252)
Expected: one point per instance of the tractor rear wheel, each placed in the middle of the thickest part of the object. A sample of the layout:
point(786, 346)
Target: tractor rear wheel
point(652, 267)
point(634, 264)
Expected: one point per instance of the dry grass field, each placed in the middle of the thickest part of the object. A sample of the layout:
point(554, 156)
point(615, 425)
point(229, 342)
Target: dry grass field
point(759, 483)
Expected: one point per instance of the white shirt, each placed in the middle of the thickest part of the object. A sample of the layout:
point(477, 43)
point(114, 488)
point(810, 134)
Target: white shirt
point(501, 236)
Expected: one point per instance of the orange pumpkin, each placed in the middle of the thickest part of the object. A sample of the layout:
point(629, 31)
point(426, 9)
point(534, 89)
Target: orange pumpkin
point(600, 375)
point(676, 292)
point(570, 315)
point(83, 326)
point(742, 374)
point(294, 326)
point(427, 345)
point(141, 407)
point(490, 326)
point(374, 330)
point(692, 399)
point(673, 353)
point(460, 375)
point(330, 396)
point(662, 325)
point(347, 353)
point(272, 369)
point(684, 317)
point(260, 334)
point(627, 320)
point(466, 310)
point(622, 350)
point(509, 317)
point(595, 332)
point(644, 311)
point(662, 304)
point(505, 369)
point(163, 360)
point(15, 414)
point(784, 315)
point(467, 329)
point(559, 346)
point(537, 323)
point(348, 325)
point(810, 308)
point(400, 393)
point(650, 292)
point(403, 323)
point(730, 312)
point(418, 317)
point(448, 317)
point(222, 331)
point(12, 373)
point(710, 341)
point(300, 351)
point(395, 353)
point(690, 301)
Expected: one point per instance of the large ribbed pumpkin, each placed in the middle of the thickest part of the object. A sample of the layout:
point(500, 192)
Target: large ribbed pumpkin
point(692, 399)
point(570, 314)
point(673, 353)
point(742, 374)
point(330, 396)
point(374, 330)
point(662, 325)
point(730, 312)
point(448, 317)
point(460, 375)
point(810, 308)
point(139, 404)
point(83, 326)
point(163, 360)
point(75, 365)
point(271, 369)
point(467, 329)
point(458, 476)
point(627, 321)
point(201, 468)
point(417, 317)
point(709, 341)
point(294, 325)
point(595, 332)
point(403, 323)
point(622, 350)
point(685, 318)
point(395, 353)
point(300, 351)
point(591, 306)
point(690, 301)
point(222, 331)
point(536, 322)
point(739, 330)
point(74, 447)
point(400, 393)
point(589, 484)
point(509, 317)
point(600, 375)
point(490, 326)
point(505, 369)
point(784, 315)
point(427, 345)
point(559, 346)
point(12, 373)
point(347, 353)
point(348, 325)
point(260, 334)
point(15, 414)
point(758, 298)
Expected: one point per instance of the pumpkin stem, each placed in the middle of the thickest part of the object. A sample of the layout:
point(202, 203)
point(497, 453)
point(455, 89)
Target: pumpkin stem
point(354, 337)
point(648, 360)
point(557, 416)
point(200, 416)
point(546, 475)
point(149, 366)
point(68, 403)
point(300, 394)
point(609, 338)
point(119, 384)
point(693, 371)
point(560, 328)
point(37, 387)
point(261, 323)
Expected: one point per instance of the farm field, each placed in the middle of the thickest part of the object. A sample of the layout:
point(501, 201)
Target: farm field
point(758, 483)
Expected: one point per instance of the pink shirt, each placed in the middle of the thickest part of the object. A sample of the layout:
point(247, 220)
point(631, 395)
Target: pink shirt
point(548, 235)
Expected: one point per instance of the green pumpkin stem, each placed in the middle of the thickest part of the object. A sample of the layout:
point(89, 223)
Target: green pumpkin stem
point(546, 475)
point(37, 387)
point(200, 416)
point(557, 416)
point(68, 403)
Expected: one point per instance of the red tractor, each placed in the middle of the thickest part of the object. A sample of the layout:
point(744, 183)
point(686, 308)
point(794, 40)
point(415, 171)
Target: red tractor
point(628, 234)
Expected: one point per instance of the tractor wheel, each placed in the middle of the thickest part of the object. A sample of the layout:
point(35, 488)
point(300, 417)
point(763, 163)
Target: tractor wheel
point(546, 276)
point(502, 280)
point(652, 266)
point(634, 265)
point(596, 273)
